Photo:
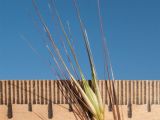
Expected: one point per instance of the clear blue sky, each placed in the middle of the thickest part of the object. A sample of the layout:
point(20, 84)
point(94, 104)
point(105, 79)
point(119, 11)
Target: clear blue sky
point(132, 28)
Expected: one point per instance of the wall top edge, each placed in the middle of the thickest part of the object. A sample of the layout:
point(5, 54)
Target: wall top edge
point(57, 80)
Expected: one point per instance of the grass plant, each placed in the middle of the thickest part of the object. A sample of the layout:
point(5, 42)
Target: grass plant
point(85, 98)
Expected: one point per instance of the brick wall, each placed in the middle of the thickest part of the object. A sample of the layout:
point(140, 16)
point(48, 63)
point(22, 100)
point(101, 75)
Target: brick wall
point(41, 91)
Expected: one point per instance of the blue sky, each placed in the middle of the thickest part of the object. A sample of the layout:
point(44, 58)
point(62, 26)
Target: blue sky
point(132, 30)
